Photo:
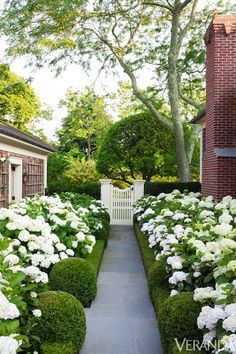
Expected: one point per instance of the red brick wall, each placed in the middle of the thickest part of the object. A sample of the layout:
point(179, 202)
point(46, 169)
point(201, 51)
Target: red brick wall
point(219, 173)
point(34, 169)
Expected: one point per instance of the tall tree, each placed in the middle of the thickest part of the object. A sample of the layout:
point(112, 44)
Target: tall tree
point(137, 145)
point(134, 34)
point(85, 123)
point(18, 102)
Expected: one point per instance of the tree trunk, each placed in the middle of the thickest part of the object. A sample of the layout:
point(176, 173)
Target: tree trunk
point(184, 169)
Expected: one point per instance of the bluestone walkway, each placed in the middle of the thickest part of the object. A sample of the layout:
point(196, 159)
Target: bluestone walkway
point(122, 320)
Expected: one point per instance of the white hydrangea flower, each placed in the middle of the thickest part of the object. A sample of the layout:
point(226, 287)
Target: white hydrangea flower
point(9, 345)
point(209, 317)
point(33, 294)
point(80, 236)
point(63, 255)
point(37, 313)
point(176, 262)
point(7, 309)
point(208, 337)
point(173, 292)
point(230, 344)
point(223, 229)
point(201, 294)
point(12, 259)
point(89, 248)
point(178, 277)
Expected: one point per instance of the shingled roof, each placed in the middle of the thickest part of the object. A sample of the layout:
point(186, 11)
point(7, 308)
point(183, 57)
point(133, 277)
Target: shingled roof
point(8, 130)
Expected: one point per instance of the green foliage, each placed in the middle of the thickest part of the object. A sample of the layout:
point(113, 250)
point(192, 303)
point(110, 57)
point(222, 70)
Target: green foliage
point(134, 35)
point(137, 145)
point(175, 350)
point(95, 258)
point(77, 199)
point(63, 179)
point(75, 276)
point(58, 348)
point(63, 320)
point(146, 252)
point(155, 188)
point(82, 171)
point(178, 319)
point(157, 277)
point(103, 233)
point(18, 101)
point(85, 123)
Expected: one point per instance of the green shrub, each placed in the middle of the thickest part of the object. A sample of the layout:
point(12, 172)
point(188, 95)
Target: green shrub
point(95, 258)
point(159, 295)
point(175, 350)
point(75, 276)
point(178, 319)
point(58, 348)
point(103, 234)
point(63, 320)
point(146, 252)
point(155, 188)
point(157, 276)
point(92, 189)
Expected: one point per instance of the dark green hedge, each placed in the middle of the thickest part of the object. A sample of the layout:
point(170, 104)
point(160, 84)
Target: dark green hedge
point(91, 188)
point(75, 276)
point(155, 188)
point(63, 321)
point(58, 348)
point(178, 319)
point(103, 234)
point(177, 315)
point(95, 258)
point(146, 252)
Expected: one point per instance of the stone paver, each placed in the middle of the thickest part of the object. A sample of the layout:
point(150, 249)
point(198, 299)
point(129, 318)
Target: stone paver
point(122, 320)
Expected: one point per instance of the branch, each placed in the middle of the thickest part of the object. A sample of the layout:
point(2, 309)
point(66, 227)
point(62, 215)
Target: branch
point(189, 100)
point(150, 3)
point(193, 138)
point(184, 4)
point(183, 31)
point(142, 98)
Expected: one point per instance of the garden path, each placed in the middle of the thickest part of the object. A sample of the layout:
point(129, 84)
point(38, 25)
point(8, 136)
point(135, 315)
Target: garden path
point(122, 320)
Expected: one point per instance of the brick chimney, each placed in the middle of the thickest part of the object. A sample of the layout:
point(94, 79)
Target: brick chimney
point(219, 152)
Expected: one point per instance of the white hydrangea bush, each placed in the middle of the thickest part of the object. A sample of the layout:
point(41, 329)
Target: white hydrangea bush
point(34, 235)
point(197, 238)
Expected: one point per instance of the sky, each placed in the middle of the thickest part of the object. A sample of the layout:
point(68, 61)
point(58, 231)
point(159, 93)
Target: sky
point(51, 89)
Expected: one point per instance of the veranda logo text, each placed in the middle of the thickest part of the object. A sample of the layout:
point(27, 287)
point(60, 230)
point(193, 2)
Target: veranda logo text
point(189, 345)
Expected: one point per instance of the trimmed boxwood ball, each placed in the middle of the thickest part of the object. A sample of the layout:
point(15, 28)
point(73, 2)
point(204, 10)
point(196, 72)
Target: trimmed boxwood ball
point(157, 276)
point(63, 320)
point(178, 319)
point(75, 276)
point(58, 348)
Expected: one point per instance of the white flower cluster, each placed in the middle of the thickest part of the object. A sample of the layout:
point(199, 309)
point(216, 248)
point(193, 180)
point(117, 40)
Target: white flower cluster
point(197, 239)
point(35, 234)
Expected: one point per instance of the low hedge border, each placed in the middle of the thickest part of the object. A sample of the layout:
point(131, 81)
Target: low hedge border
point(155, 188)
point(180, 310)
point(95, 258)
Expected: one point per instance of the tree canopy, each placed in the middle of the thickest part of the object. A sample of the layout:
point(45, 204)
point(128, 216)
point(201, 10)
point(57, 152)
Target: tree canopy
point(18, 102)
point(164, 37)
point(85, 123)
point(137, 145)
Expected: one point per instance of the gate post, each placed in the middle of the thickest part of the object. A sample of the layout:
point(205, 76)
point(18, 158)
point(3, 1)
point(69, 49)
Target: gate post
point(138, 189)
point(106, 193)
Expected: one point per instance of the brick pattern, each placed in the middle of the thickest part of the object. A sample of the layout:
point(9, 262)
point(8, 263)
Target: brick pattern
point(219, 174)
point(34, 170)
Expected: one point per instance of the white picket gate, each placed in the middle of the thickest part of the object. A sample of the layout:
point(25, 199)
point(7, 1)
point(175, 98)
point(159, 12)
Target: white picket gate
point(119, 202)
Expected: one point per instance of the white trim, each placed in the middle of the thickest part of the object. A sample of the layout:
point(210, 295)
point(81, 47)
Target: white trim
point(22, 145)
point(201, 153)
point(45, 168)
point(18, 162)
